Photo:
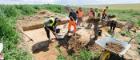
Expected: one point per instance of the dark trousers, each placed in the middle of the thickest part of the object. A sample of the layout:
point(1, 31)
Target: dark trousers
point(112, 28)
point(96, 30)
point(47, 29)
point(113, 25)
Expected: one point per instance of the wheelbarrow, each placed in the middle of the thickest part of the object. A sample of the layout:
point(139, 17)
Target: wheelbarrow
point(105, 55)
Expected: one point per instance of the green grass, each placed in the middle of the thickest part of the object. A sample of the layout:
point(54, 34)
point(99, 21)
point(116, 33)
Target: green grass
point(124, 12)
point(138, 38)
point(125, 6)
point(117, 6)
point(9, 36)
point(127, 15)
point(83, 55)
point(61, 57)
point(138, 41)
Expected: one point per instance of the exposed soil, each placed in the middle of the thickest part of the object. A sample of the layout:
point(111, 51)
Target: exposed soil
point(35, 41)
point(114, 47)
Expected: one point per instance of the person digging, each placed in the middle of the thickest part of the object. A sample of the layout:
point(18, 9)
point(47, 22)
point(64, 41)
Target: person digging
point(50, 25)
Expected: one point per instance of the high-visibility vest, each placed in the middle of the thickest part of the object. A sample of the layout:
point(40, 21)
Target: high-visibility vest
point(51, 18)
point(48, 23)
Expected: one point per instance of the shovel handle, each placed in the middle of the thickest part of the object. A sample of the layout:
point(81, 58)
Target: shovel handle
point(131, 39)
point(26, 35)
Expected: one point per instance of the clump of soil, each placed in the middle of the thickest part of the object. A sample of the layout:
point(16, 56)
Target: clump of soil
point(90, 20)
point(114, 47)
point(74, 43)
point(42, 12)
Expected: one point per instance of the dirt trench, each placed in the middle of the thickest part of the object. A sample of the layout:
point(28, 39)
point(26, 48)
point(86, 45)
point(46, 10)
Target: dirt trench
point(33, 35)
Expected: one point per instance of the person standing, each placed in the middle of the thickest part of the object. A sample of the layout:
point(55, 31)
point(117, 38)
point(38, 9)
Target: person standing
point(71, 23)
point(99, 14)
point(73, 14)
point(80, 15)
point(104, 13)
point(113, 23)
point(91, 15)
point(96, 27)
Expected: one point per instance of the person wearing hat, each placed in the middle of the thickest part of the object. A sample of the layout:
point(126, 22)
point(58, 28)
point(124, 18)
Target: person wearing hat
point(50, 25)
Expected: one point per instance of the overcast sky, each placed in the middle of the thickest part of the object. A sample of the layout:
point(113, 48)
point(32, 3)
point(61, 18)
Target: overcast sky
point(69, 2)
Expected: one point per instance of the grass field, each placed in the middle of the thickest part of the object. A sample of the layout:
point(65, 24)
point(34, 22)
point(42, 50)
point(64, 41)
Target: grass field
point(124, 12)
point(9, 35)
point(127, 6)
point(10, 13)
point(117, 6)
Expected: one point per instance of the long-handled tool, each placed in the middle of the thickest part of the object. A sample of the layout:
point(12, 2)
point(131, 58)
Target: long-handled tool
point(131, 39)
point(27, 36)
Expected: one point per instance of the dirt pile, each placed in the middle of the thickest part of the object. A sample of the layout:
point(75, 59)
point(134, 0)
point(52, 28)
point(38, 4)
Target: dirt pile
point(74, 43)
point(116, 47)
point(80, 39)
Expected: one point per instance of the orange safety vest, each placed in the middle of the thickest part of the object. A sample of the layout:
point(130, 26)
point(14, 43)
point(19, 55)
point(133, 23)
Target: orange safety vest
point(71, 23)
point(80, 13)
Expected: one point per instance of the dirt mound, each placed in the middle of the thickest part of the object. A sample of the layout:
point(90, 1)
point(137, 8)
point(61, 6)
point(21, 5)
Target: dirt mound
point(41, 46)
point(80, 39)
point(114, 47)
point(74, 43)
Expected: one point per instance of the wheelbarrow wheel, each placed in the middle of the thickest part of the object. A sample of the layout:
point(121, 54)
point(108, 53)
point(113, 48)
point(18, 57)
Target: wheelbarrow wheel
point(105, 55)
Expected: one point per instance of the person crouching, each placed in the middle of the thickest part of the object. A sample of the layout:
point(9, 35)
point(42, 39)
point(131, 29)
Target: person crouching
point(50, 25)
